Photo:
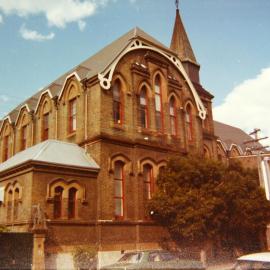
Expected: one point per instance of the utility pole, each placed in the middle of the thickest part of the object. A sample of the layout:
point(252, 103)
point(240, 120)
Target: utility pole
point(261, 165)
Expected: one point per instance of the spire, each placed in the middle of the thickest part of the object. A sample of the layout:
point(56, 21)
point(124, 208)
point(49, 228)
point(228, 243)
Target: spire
point(180, 44)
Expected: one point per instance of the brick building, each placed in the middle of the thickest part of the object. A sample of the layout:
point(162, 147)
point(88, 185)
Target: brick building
point(85, 151)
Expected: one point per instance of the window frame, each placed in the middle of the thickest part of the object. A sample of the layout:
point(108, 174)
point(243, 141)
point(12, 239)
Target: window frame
point(144, 108)
point(158, 96)
point(173, 117)
point(122, 186)
point(72, 204)
point(118, 113)
point(45, 126)
point(189, 123)
point(58, 202)
point(72, 115)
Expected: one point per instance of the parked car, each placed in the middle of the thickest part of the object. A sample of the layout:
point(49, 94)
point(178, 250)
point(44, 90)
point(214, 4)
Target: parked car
point(155, 260)
point(255, 261)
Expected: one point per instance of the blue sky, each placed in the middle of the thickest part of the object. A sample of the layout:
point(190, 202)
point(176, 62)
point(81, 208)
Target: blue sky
point(40, 40)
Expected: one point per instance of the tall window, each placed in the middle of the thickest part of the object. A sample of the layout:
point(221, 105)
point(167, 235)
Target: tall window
point(144, 108)
point(72, 202)
point(58, 193)
point(189, 123)
point(72, 115)
point(9, 205)
point(6, 147)
point(148, 178)
point(45, 126)
point(16, 203)
point(119, 189)
point(23, 137)
point(117, 104)
point(173, 113)
point(158, 104)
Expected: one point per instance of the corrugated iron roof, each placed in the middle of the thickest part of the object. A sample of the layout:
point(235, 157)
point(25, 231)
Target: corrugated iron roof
point(53, 152)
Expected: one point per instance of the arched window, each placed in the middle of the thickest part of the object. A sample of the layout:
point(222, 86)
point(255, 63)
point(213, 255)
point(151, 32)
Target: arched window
point(23, 137)
point(45, 126)
point(72, 115)
point(16, 203)
point(72, 202)
point(148, 179)
point(158, 104)
point(117, 104)
point(58, 193)
point(144, 108)
point(9, 205)
point(119, 189)
point(6, 146)
point(189, 123)
point(173, 114)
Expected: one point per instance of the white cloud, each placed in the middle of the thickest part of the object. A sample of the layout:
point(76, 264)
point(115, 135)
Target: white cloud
point(248, 105)
point(1, 18)
point(58, 13)
point(81, 25)
point(34, 35)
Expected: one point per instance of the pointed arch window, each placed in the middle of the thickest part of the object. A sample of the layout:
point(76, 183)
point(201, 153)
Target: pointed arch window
point(6, 146)
point(117, 103)
point(58, 194)
point(189, 123)
point(144, 118)
point(158, 104)
point(45, 126)
point(148, 179)
point(119, 189)
point(9, 205)
point(23, 137)
point(16, 203)
point(173, 116)
point(72, 202)
point(72, 115)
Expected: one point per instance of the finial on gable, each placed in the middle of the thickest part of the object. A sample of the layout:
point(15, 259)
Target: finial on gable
point(177, 4)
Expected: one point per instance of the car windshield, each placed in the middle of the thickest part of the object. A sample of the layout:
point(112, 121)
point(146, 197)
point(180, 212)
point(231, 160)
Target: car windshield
point(162, 256)
point(252, 265)
point(131, 257)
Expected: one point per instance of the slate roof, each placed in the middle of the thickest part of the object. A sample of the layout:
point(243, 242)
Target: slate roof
point(92, 66)
point(232, 135)
point(54, 152)
point(180, 42)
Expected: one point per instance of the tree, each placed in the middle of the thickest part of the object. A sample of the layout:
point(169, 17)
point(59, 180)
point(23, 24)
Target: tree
point(201, 199)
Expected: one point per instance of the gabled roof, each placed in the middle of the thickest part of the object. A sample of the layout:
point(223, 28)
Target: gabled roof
point(180, 42)
point(230, 135)
point(53, 152)
point(91, 67)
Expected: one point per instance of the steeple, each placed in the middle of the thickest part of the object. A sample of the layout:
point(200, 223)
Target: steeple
point(181, 45)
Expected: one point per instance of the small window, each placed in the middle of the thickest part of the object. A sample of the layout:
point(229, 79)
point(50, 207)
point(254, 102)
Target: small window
point(58, 193)
point(16, 203)
point(45, 126)
point(148, 181)
point(158, 104)
point(117, 104)
point(144, 108)
point(23, 137)
point(6, 147)
point(72, 115)
point(173, 113)
point(119, 189)
point(72, 203)
point(189, 123)
point(9, 205)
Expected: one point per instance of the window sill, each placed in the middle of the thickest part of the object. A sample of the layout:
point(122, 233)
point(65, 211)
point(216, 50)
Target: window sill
point(71, 134)
point(118, 126)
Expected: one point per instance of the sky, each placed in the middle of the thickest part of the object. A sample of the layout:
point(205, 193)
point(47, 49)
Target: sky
point(42, 39)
